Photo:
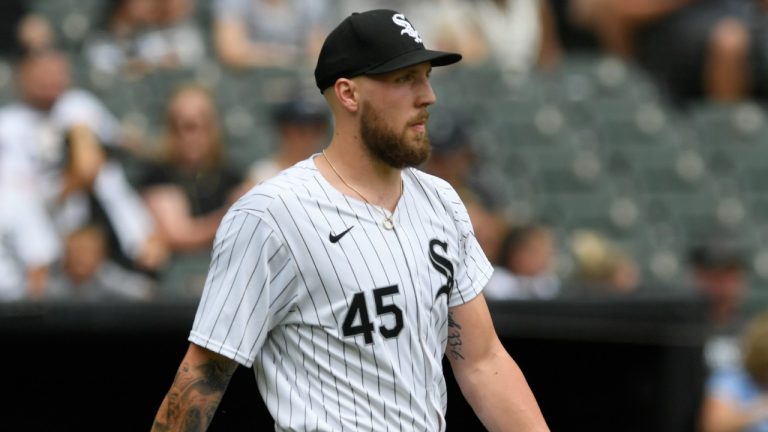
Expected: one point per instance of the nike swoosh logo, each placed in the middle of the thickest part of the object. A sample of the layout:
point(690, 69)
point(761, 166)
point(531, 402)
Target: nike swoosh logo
point(335, 238)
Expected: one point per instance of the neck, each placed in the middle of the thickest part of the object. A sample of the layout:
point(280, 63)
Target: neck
point(358, 173)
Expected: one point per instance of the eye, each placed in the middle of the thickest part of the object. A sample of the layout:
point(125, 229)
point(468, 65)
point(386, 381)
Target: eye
point(405, 77)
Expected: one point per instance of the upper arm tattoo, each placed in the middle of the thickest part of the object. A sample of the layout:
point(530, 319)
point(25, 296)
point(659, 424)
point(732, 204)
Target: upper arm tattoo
point(454, 338)
point(195, 394)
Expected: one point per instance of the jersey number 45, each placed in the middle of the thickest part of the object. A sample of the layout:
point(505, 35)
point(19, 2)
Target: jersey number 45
point(358, 313)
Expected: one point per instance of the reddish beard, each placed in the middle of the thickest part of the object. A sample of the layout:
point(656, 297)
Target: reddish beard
point(386, 145)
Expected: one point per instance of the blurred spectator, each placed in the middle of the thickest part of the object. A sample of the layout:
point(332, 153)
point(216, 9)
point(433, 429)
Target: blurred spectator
point(62, 136)
point(718, 264)
point(190, 188)
point(22, 30)
point(737, 397)
point(454, 159)
point(269, 33)
point(87, 274)
point(115, 46)
point(574, 36)
point(175, 39)
point(302, 128)
point(348, 7)
point(140, 36)
point(600, 266)
point(695, 49)
point(29, 244)
point(516, 35)
point(718, 267)
point(525, 268)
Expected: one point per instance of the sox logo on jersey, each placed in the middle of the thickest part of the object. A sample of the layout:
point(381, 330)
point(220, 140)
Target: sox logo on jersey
point(443, 265)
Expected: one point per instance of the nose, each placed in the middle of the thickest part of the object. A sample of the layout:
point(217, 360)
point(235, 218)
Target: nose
point(427, 95)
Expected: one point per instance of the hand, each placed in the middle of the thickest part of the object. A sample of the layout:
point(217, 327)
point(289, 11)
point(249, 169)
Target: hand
point(86, 157)
point(154, 254)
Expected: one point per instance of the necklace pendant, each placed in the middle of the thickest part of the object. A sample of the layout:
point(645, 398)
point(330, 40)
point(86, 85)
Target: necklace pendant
point(388, 224)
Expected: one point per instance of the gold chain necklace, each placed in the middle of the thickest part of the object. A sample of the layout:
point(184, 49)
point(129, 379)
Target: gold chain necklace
point(388, 223)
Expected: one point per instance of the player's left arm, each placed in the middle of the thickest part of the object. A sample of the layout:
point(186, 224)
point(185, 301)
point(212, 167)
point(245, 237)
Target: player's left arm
point(489, 378)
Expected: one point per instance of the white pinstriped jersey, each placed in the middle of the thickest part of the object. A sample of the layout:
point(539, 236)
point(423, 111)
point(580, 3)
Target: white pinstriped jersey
point(344, 322)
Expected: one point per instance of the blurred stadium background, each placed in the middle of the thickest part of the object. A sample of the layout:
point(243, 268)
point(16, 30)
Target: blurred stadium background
point(591, 143)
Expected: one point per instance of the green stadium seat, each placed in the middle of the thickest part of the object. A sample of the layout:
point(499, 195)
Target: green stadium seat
point(730, 124)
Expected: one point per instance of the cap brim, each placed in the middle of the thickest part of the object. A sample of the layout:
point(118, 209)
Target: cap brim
point(435, 58)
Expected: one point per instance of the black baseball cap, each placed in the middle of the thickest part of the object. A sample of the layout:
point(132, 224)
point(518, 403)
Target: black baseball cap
point(450, 131)
point(300, 110)
point(718, 250)
point(373, 42)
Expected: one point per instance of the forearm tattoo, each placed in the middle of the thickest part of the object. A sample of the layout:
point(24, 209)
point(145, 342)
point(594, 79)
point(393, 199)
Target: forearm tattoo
point(454, 338)
point(194, 396)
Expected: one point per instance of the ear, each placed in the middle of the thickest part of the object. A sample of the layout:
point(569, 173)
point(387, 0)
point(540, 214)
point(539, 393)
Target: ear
point(347, 94)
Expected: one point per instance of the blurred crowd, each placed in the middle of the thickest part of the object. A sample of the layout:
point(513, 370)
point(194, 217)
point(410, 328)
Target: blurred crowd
point(91, 210)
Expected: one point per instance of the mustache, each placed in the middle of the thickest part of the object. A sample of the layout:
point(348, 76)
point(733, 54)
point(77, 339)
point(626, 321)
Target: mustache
point(421, 118)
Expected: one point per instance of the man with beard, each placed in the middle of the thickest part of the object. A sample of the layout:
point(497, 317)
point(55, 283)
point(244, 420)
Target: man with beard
point(343, 280)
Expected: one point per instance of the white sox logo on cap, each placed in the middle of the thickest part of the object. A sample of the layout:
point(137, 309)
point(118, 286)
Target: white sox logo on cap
point(408, 29)
point(365, 43)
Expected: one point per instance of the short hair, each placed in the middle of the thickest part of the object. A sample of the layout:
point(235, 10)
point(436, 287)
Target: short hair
point(516, 238)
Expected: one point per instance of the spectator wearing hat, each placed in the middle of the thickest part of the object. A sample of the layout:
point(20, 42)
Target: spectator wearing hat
point(718, 270)
point(301, 125)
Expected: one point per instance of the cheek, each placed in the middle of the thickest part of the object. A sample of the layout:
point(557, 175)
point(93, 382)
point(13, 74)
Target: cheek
point(392, 113)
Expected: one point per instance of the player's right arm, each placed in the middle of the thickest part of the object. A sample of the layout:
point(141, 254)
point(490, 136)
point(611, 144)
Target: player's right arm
point(200, 383)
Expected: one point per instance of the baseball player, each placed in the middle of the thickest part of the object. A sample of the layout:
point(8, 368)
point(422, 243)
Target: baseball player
point(343, 280)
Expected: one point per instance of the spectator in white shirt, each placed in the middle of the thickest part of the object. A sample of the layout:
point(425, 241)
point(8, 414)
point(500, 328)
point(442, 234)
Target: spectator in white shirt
point(61, 135)
point(28, 242)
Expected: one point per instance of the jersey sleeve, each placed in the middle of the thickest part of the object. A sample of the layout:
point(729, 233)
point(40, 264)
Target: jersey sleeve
point(474, 270)
point(250, 287)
